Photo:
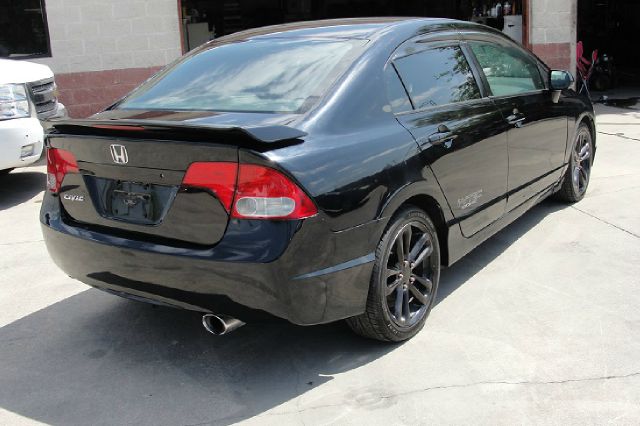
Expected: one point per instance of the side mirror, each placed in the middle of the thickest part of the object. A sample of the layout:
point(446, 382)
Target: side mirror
point(560, 80)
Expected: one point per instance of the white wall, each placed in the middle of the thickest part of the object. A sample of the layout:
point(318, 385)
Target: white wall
point(94, 35)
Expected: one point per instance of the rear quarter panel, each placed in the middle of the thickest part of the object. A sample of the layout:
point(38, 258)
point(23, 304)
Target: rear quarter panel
point(358, 162)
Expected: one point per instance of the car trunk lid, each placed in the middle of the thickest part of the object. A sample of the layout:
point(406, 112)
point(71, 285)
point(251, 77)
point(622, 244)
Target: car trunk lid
point(130, 175)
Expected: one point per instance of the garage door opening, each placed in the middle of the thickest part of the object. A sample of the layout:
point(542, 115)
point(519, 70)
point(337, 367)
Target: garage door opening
point(204, 20)
point(609, 26)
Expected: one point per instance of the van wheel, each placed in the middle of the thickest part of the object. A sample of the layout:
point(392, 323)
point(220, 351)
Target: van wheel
point(576, 178)
point(404, 280)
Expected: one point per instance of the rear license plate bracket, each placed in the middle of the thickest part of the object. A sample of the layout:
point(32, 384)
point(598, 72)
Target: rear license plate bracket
point(133, 202)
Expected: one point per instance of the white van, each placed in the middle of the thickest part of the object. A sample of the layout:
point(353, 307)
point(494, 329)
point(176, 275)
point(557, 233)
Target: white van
point(27, 97)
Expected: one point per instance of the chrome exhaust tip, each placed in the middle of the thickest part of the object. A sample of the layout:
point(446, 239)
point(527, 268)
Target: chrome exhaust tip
point(220, 324)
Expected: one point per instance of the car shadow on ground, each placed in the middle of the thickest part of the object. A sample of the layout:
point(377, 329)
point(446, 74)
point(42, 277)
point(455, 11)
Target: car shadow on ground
point(455, 276)
point(95, 359)
point(18, 187)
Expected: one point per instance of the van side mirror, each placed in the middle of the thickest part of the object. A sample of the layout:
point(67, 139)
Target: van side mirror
point(560, 80)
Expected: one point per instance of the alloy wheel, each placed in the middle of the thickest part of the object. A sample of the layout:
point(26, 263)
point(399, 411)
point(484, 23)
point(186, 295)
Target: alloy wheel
point(581, 162)
point(409, 286)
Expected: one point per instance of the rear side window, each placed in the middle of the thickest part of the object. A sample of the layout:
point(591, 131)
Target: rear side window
point(269, 75)
point(437, 76)
point(508, 70)
point(398, 99)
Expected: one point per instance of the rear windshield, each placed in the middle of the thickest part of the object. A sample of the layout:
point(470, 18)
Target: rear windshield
point(275, 75)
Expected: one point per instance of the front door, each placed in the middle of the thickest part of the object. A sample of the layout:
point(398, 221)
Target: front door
point(536, 126)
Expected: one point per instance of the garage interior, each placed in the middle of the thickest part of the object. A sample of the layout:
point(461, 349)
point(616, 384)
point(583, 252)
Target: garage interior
point(204, 20)
point(23, 29)
point(610, 27)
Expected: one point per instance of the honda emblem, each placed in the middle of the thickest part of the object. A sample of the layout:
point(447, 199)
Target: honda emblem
point(119, 154)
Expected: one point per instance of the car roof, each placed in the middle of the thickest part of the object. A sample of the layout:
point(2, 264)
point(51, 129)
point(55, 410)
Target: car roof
point(347, 28)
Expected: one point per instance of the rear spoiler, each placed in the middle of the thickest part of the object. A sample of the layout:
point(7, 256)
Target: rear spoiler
point(153, 128)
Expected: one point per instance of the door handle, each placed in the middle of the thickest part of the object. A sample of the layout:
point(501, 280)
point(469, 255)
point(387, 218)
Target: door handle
point(442, 135)
point(440, 138)
point(516, 118)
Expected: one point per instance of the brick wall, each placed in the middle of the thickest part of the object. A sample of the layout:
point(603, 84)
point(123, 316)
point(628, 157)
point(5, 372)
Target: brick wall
point(552, 32)
point(101, 49)
point(85, 93)
point(555, 55)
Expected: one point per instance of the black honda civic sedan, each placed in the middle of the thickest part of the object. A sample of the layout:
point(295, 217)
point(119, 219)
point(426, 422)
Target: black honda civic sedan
point(317, 171)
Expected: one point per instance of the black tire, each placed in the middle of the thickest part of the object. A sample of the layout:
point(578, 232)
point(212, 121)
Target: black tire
point(5, 171)
point(415, 281)
point(576, 177)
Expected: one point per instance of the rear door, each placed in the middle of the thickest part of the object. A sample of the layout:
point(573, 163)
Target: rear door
point(535, 125)
point(460, 133)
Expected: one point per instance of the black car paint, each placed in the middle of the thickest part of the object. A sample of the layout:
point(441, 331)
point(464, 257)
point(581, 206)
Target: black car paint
point(358, 162)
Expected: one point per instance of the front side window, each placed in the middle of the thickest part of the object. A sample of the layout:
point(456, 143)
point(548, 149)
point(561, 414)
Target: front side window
point(270, 75)
point(23, 29)
point(508, 70)
point(437, 76)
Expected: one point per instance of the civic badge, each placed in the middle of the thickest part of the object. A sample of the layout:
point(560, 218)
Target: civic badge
point(119, 154)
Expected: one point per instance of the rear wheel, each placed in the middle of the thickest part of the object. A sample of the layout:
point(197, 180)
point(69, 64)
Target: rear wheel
point(404, 280)
point(576, 178)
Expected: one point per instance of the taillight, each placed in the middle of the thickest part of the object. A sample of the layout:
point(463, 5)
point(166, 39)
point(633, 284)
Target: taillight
point(219, 177)
point(264, 193)
point(59, 163)
point(249, 191)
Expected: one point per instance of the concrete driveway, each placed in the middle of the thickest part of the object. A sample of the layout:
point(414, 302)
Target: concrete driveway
point(541, 324)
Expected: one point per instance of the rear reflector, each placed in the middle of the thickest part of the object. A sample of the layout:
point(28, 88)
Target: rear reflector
point(59, 163)
point(259, 192)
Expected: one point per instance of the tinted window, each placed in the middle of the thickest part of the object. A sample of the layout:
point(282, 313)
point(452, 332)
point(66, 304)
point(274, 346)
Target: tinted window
point(437, 76)
point(276, 75)
point(509, 71)
point(23, 31)
point(398, 99)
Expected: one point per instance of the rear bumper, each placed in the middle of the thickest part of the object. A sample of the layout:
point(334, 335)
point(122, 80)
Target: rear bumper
point(318, 277)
